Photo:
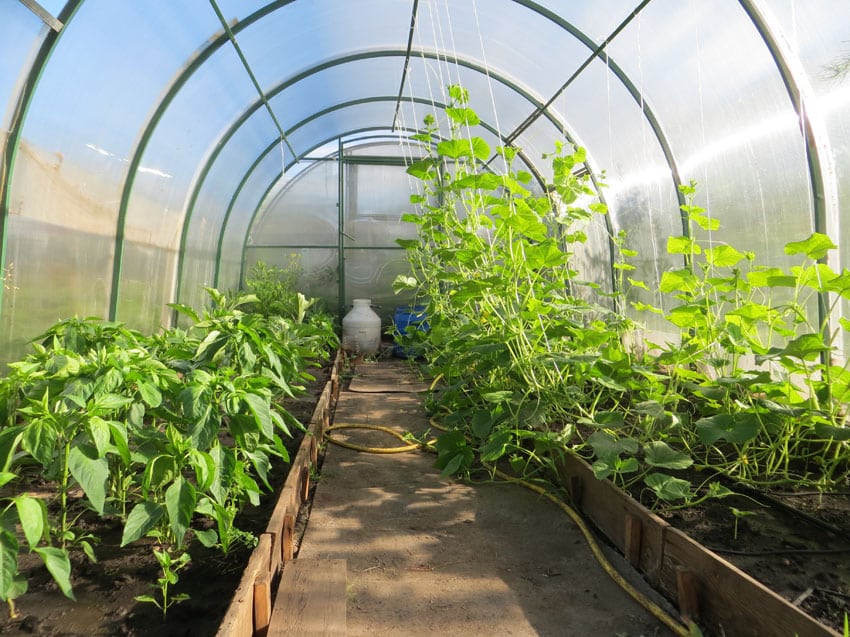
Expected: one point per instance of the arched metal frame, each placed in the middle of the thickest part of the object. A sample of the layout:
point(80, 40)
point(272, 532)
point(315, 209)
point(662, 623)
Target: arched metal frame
point(45, 50)
point(826, 213)
point(821, 172)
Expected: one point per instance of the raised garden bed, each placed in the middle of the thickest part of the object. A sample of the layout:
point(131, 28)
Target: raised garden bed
point(106, 591)
point(722, 597)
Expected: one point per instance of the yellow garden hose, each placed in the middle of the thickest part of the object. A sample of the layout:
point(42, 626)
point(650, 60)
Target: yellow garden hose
point(659, 613)
point(408, 446)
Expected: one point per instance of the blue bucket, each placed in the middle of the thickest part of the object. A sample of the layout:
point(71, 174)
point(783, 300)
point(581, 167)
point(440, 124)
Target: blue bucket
point(408, 317)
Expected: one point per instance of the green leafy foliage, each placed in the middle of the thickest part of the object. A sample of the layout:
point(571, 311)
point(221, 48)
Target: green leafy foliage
point(138, 425)
point(525, 349)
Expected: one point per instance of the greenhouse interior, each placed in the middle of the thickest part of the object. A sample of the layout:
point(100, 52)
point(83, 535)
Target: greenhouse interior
point(606, 231)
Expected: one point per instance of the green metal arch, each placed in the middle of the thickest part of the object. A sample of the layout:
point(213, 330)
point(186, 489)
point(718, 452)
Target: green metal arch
point(182, 77)
point(227, 135)
point(824, 190)
point(179, 80)
point(16, 125)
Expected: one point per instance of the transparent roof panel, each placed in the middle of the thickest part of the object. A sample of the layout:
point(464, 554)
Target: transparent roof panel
point(20, 35)
point(597, 19)
point(336, 85)
point(489, 34)
point(303, 34)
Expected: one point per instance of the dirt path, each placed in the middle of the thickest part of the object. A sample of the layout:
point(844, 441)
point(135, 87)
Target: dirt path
point(431, 556)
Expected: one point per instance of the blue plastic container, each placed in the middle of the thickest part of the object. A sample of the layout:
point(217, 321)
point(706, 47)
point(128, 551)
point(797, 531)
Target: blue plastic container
point(408, 317)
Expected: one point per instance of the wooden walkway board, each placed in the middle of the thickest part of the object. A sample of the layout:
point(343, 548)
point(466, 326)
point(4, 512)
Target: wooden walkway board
point(311, 599)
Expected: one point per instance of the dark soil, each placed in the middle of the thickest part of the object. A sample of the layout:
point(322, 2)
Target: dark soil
point(105, 591)
point(796, 543)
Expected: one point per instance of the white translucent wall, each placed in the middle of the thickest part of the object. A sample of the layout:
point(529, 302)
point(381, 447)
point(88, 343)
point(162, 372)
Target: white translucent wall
point(302, 218)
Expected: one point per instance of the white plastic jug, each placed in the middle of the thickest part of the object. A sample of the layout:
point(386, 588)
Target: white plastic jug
point(361, 328)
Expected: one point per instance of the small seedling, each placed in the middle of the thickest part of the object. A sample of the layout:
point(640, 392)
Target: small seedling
point(738, 513)
point(170, 567)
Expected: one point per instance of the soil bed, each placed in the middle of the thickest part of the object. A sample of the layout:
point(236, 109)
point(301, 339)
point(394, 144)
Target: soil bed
point(797, 544)
point(106, 591)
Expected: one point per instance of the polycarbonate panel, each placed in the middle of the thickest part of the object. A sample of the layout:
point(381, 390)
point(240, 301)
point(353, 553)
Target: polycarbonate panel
point(21, 33)
point(377, 116)
point(180, 144)
point(598, 19)
point(369, 274)
point(728, 117)
point(501, 106)
point(823, 46)
point(71, 276)
point(319, 270)
point(506, 37)
point(592, 261)
point(376, 197)
point(245, 209)
point(303, 34)
point(639, 191)
point(303, 212)
point(147, 286)
point(80, 129)
point(225, 177)
point(336, 85)
point(54, 7)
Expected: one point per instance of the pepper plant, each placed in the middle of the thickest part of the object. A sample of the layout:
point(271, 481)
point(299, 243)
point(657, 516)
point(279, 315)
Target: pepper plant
point(161, 432)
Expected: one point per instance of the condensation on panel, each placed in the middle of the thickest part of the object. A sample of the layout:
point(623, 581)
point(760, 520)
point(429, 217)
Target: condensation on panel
point(319, 267)
point(303, 211)
point(71, 277)
point(148, 287)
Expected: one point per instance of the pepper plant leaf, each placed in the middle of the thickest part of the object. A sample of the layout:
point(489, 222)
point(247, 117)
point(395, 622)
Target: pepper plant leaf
point(32, 514)
point(59, 565)
point(39, 439)
point(91, 472)
point(261, 409)
point(143, 517)
point(180, 500)
point(10, 579)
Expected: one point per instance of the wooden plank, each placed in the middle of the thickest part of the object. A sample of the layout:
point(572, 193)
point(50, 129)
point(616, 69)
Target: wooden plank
point(687, 592)
point(730, 601)
point(608, 506)
point(239, 619)
point(311, 600)
point(288, 539)
point(262, 604)
point(633, 538)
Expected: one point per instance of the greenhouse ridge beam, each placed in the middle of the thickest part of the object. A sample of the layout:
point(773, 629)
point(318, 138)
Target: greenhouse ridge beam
point(43, 14)
point(406, 68)
point(251, 74)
